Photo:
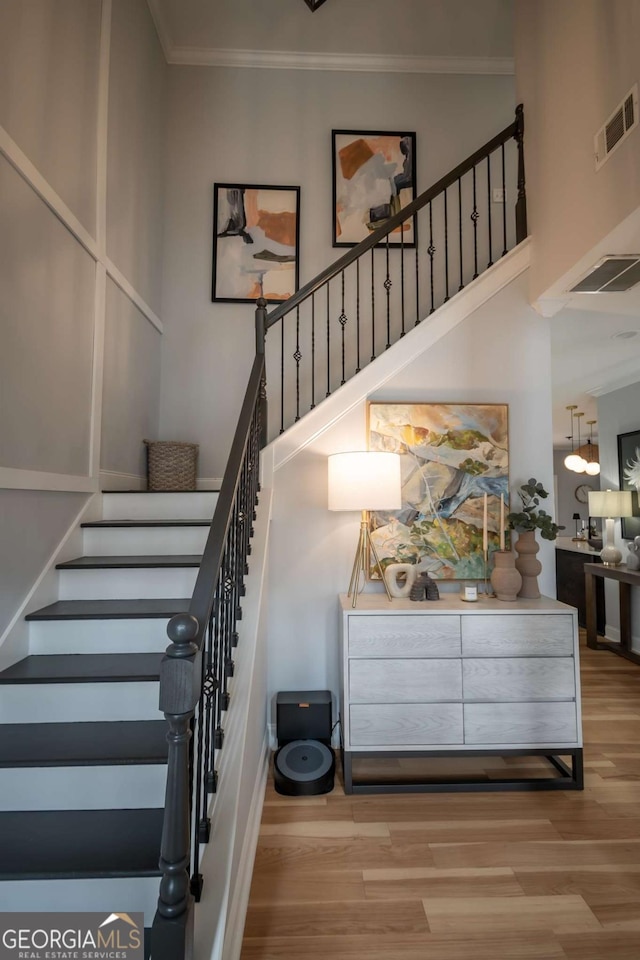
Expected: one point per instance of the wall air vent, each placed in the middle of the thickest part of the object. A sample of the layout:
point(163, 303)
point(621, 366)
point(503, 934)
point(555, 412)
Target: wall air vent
point(617, 128)
point(613, 274)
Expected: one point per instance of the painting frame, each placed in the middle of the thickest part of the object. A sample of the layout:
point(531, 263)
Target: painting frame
point(262, 218)
point(628, 444)
point(362, 154)
point(452, 452)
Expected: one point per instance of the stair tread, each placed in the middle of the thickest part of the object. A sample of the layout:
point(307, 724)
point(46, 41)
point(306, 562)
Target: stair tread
point(47, 844)
point(84, 668)
point(146, 609)
point(177, 492)
point(132, 562)
point(83, 744)
point(146, 523)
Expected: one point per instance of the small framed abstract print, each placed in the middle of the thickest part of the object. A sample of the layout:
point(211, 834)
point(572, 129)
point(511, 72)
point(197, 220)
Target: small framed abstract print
point(629, 475)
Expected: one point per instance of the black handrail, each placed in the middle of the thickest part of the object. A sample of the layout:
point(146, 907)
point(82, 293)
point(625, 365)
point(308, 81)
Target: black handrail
point(514, 131)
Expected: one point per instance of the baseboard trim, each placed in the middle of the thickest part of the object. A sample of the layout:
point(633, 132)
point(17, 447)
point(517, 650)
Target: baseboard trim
point(209, 483)
point(116, 480)
point(237, 912)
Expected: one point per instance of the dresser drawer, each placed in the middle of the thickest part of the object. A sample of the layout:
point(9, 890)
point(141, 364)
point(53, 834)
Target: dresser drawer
point(542, 635)
point(404, 681)
point(519, 723)
point(391, 724)
point(404, 636)
point(524, 678)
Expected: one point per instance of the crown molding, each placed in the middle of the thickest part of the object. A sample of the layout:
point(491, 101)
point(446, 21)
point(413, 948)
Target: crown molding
point(346, 62)
point(162, 28)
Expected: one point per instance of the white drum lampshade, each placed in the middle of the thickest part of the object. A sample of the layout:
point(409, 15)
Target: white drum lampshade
point(610, 504)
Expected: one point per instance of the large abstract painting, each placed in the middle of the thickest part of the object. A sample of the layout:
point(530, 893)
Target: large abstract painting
point(452, 454)
point(629, 467)
point(373, 179)
point(255, 242)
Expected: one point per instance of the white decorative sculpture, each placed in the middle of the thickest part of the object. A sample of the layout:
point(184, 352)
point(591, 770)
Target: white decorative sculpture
point(391, 574)
point(633, 560)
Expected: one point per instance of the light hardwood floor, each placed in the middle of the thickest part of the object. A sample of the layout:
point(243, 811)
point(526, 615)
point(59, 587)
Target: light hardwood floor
point(477, 876)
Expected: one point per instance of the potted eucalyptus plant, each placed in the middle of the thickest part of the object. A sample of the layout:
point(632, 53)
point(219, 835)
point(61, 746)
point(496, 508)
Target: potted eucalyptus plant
point(525, 522)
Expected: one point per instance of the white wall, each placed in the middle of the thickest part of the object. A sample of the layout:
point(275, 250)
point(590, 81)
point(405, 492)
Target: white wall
point(618, 412)
point(69, 168)
point(274, 126)
point(501, 354)
point(575, 61)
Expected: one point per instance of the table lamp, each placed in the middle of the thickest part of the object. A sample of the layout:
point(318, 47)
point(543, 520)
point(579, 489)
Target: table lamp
point(610, 504)
point(365, 480)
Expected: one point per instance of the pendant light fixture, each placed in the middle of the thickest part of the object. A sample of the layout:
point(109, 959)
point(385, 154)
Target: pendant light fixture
point(572, 459)
point(581, 463)
point(593, 453)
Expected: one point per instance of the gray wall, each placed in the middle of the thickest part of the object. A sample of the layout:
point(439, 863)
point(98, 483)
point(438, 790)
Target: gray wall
point(61, 340)
point(274, 127)
point(618, 412)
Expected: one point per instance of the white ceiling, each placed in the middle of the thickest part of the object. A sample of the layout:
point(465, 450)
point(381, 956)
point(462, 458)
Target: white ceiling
point(475, 36)
point(444, 28)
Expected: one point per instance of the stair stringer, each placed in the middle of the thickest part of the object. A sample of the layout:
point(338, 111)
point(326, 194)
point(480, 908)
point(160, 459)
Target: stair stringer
point(392, 361)
point(236, 808)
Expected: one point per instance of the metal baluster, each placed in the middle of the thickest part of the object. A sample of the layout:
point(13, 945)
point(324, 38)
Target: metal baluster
point(313, 350)
point(490, 263)
point(297, 357)
point(504, 205)
point(282, 375)
point(373, 307)
point(387, 285)
point(198, 823)
point(342, 319)
point(358, 315)
point(460, 231)
point(474, 218)
point(209, 692)
point(402, 330)
point(328, 343)
point(521, 203)
point(417, 272)
point(218, 608)
point(446, 247)
point(431, 251)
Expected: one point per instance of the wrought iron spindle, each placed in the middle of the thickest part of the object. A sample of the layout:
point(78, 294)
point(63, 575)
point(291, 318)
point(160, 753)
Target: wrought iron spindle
point(490, 263)
point(328, 341)
point(342, 320)
point(282, 376)
point(474, 219)
point(417, 277)
point(460, 232)
point(446, 248)
point(358, 315)
point(373, 306)
point(504, 205)
point(313, 350)
point(431, 251)
point(521, 203)
point(387, 285)
point(297, 356)
point(402, 327)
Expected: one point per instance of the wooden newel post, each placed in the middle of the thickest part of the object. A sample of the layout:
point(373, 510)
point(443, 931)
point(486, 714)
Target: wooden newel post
point(521, 203)
point(180, 677)
point(261, 333)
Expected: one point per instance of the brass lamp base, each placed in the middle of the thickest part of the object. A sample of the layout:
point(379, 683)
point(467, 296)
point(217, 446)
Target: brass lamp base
point(361, 560)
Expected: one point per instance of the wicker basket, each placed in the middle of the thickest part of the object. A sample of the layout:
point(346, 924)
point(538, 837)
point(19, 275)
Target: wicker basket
point(171, 465)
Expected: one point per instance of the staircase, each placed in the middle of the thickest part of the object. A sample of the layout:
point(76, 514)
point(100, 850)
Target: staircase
point(83, 748)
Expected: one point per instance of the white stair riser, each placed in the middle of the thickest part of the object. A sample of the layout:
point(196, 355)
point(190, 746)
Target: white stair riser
point(83, 787)
point(120, 895)
point(98, 636)
point(66, 702)
point(142, 541)
point(127, 584)
point(159, 506)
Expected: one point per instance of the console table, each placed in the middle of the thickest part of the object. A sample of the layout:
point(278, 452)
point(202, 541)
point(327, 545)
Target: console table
point(446, 677)
point(626, 579)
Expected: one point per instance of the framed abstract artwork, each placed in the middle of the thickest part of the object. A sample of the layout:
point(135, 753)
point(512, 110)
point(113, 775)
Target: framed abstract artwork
point(629, 475)
point(373, 178)
point(256, 237)
point(452, 454)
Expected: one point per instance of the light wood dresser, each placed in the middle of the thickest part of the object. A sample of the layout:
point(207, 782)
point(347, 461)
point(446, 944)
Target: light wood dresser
point(453, 678)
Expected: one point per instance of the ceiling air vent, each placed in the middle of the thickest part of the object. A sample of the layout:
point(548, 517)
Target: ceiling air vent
point(619, 125)
point(611, 275)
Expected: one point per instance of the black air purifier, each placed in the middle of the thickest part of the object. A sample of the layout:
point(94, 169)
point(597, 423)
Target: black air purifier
point(304, 764)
